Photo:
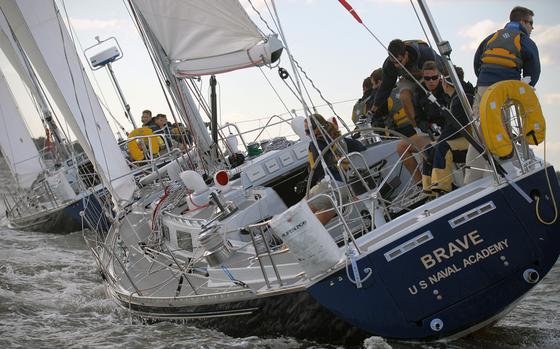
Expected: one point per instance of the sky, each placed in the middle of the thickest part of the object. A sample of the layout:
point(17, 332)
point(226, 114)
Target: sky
point(335, 51)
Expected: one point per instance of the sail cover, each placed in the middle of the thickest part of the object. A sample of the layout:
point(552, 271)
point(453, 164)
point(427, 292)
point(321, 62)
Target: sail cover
point(203, 37)
point(15, 141)
point(46, 41)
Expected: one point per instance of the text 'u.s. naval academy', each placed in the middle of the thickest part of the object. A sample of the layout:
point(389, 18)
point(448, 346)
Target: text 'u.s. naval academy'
point(466, 242)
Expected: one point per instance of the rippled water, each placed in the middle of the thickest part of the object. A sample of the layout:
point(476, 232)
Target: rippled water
point(51, 296)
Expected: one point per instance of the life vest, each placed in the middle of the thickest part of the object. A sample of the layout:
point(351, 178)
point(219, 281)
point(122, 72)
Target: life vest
point(331, 157)
point(496, 134)
point(135, 149)
point(360, 108)
point(503, 49)
point(396, 109)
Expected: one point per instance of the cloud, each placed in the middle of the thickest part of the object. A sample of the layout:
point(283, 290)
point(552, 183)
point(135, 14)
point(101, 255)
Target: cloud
point(546, 38)
point(476, 32)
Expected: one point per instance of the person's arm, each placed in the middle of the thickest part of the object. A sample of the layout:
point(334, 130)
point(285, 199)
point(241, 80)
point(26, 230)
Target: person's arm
point(389, 81)
point(477, 62)
point(531, 61)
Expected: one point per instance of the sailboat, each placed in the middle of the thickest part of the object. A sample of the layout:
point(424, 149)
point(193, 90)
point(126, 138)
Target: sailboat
point(391, 263)
point(62, 76)
point(388, 265)
point(43, 200)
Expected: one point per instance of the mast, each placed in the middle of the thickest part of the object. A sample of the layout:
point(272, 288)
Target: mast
point(214, 108)
point(192, 38)
point(444, 48)
point(19, 60)
point(178, 91)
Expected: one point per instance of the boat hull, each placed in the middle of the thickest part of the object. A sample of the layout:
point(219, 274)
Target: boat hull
point(475, 265)
point(60, 220)
point(294, 314)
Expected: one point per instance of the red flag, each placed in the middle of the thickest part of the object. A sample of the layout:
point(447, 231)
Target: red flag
point(351, 10)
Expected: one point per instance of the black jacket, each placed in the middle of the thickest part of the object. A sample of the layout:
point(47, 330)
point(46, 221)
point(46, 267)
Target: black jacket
point(451, 128)
point(427, 112)
point(418, 54)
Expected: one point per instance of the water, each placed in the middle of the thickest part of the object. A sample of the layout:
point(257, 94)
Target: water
point(51, 296)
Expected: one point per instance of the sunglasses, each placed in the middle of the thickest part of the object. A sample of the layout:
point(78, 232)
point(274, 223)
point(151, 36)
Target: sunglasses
point(530, 22)
point(433, 77)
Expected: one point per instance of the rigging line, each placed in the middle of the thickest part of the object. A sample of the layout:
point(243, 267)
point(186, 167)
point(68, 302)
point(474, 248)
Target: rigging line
point(321, 94)
point(260, 16)
point(121, 102)
point(160, 75)
point(31, 73)
point(298, 96)
point(135, 19)
point(74, 84)
point(304, 86)
point(184, 107)
point(421, 24)
point(105, 104)
point(298, 87)
point(272, 16)
point(303, 71)
point(275, 91)
point(359, 20)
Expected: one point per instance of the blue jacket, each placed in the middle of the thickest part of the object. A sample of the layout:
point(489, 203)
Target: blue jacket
point(418, 54)
point(529, 54)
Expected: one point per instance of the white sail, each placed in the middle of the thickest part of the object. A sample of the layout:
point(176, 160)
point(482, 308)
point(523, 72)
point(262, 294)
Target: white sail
point(46, 41)
point(15, 141)
point(204, 37)
point(8, 47)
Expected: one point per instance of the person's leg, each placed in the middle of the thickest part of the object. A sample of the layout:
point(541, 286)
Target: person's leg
point(325, 216)
point(442, 173)
point(427, 166)
point(409, 161)
point(321, 206)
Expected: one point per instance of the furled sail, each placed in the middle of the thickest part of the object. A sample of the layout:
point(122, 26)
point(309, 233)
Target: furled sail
point(42, 34)
point(203, 37)
point(15, 141)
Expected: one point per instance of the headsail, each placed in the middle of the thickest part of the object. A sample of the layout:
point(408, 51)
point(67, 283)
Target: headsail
point(203, 37)
point(46, 41)
point(17, 146)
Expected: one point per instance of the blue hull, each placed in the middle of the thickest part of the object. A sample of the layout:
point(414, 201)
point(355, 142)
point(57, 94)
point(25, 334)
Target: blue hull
point(64, 220)
point(462, 277)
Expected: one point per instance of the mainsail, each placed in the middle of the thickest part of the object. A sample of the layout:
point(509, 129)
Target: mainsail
point(42, 34)
point(15, 141)
point(203, 37)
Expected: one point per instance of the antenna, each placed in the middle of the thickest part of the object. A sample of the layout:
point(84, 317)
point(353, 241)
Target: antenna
point(102, 55)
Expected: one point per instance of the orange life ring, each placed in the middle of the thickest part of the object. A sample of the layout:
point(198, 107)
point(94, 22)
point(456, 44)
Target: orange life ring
point(496, 134)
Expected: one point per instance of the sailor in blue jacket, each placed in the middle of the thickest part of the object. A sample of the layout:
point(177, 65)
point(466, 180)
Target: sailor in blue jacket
point(491, 65)
point(506, 54)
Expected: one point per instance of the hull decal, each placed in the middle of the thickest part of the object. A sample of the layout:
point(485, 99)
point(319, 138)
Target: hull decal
point(408, 245)
point(472, 214)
